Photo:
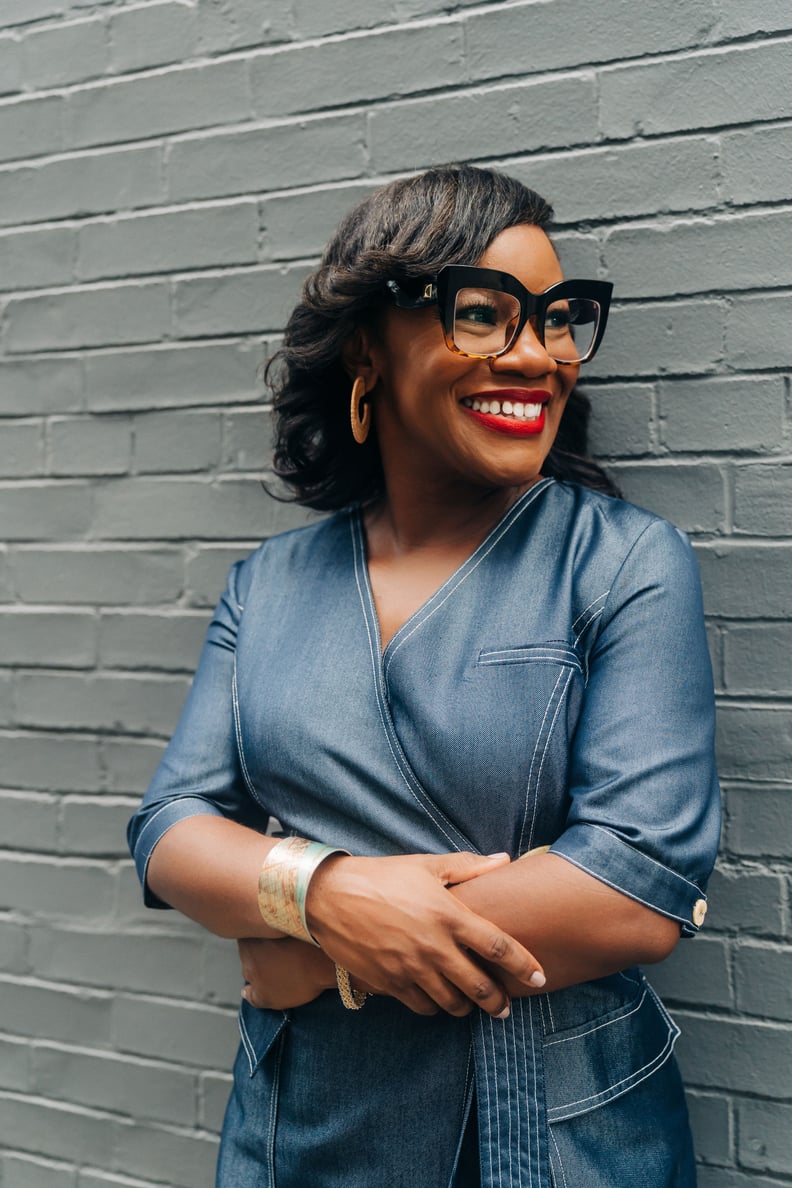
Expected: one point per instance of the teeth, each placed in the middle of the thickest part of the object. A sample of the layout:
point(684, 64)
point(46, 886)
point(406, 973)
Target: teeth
point(509, 408)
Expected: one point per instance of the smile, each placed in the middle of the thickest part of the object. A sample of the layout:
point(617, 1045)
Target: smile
point(506, 408)
point(503, 412)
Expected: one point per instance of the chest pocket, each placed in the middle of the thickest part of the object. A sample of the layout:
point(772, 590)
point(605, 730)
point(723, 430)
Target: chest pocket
point(550, 653)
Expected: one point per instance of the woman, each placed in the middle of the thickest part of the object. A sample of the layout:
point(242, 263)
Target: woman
point(470, 662)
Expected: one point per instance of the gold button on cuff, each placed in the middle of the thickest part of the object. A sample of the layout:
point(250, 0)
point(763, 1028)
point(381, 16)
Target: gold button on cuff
point(699, 912)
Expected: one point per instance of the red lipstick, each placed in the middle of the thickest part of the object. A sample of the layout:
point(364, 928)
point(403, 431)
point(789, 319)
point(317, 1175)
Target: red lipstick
point(509, 422)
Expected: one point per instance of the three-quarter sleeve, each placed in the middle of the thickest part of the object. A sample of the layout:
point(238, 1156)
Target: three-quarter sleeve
point(200, 771)
point(645, 802)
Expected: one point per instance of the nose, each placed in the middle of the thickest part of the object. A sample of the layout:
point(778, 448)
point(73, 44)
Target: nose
point(526, 355)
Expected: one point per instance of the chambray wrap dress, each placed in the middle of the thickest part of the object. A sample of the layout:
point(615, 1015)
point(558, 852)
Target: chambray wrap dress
point(556, 690)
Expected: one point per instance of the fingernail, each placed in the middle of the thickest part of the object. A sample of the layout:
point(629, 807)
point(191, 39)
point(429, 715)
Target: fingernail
point(537, 978)
point(504, 1014)
point(502, 854)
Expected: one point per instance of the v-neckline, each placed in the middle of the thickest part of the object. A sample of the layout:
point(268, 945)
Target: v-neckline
point(446, 587)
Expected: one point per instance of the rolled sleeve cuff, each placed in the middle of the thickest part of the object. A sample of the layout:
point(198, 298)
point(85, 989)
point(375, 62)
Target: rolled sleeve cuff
point(158, 824)
point(618, 864)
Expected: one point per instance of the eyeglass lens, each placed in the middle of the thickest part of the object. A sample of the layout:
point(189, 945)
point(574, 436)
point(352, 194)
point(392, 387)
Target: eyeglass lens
point(486, 320)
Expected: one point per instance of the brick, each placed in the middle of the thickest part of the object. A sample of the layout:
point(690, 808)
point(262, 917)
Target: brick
point(10, 66)
point(198, 1036)
point(222, 974)
point(169, 642)
point(746, 581)
point(90, 445)
point(237, 302)
point(762, 981)
point(762, 500)
point(21, 449)
point(754, 164)
point(179, 240)
point(94, 826)
point(316, 150)
point(153, 962)
point(68, 53)
point(758, 658)
point(110, 1082)
point(698, 91)
point(170, 377)
point(191, 97)
point(44, 511)
point(36, 259)
point(745, 18)
point(89, 317)
point(692, 497)
point(13, 947)
point(146, 1150)
point(55, 1012)
point(129, 764)
point(91, 183)
point(621, 180)
point(746, 901)
point(724, 254)
point(59, 1130)
point(153, 36)
point(50, 763)
point(5, 577)
point(175, 508)
point(754, 743)
point(215, 1090)
point(615, 30)
point(475, 124)
point(299, 225)
point(30, 128)
point(710, 1122)
point(755, 329)
point(20, 12)
point(664, 338)
point(14, 1062)
point(98, 575)
point(735, 1055)
point(75, 889)
point(33, 386)
point(206, 573)
point(247, 439)
point(722, 413)
point(387, 63)
point(102, 701)
point(759, 821)
point(28, 821)
point(183, 441)
point(96, 1179)
point(314, 20)
point(7, 713)
point(20, 1171)
point(622, 417)
point(765, 1135)
point(697, 972)
point(721, 1177)
point(240, 23)
point(580, 255)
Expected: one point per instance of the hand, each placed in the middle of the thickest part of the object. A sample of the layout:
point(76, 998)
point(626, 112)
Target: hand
point(283, 973)
point(393, 924)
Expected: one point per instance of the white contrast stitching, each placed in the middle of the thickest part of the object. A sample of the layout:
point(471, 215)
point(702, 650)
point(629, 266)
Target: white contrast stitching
point(558, 1156)
point(238, 733)
point(593, 602)
point(529, 784)
point(559, 703)
point(608, 1095)
point(565, 1039)
point(470, 565)
point(648, 857)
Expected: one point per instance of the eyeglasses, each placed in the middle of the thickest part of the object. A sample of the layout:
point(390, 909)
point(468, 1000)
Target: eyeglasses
point(484, 311)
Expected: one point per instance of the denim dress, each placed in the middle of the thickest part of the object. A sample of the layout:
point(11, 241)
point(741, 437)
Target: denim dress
point(556, 690)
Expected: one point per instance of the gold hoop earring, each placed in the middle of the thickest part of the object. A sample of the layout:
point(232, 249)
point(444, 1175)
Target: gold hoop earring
point(361, 422)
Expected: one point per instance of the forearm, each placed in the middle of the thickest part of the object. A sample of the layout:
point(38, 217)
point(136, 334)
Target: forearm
point(207, 868)
point(577, 927)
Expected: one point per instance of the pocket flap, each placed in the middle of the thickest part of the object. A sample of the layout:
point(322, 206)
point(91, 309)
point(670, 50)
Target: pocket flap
point(258, 1030)
point(589, 1065)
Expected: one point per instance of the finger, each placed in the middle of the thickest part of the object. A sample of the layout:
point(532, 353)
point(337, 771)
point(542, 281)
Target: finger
point(474, 985)
point(498, 947)
point(417, 1000)
point(460, 868)
point(249, 995)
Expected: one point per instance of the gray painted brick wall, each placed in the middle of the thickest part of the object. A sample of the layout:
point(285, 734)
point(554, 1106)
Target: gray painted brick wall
point(169, 169)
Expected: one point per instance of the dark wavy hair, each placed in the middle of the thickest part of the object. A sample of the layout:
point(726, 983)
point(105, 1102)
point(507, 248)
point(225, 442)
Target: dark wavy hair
point(409, 228)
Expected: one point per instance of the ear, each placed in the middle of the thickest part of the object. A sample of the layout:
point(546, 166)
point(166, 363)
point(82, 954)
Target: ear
point(359, 357)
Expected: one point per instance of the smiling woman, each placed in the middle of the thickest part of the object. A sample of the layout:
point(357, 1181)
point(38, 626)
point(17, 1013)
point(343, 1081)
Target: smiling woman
point(448, 693)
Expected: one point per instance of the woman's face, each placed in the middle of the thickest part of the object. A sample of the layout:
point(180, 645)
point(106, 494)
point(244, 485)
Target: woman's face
point(425, 401)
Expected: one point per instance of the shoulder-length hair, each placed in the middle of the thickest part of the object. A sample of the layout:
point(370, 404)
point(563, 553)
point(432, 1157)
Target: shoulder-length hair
point(409, 228)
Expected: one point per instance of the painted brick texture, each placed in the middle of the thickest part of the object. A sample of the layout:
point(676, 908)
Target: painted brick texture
point(169, 171)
